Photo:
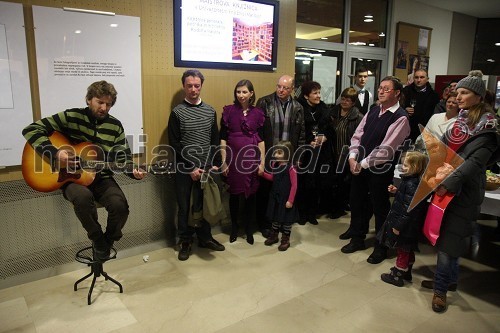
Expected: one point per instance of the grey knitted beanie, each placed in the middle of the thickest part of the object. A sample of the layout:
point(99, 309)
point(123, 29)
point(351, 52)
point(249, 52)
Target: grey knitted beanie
point(474, 83)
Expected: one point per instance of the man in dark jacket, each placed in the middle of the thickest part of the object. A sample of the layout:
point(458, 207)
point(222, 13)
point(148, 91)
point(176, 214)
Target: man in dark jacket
point(284, 121)
point(419, 101)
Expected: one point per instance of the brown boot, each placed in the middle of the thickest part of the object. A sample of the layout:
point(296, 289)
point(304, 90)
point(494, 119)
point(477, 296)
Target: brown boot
point(285, 243)
point(272, 239)
point(439, 303)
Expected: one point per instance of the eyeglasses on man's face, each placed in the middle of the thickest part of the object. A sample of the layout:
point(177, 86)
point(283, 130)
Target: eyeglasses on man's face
point(280, 87)
point(385, 89)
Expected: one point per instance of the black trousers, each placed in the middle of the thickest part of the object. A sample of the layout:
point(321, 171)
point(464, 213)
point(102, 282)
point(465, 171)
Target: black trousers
point(369, 187)
point(248, 212)
point(109, 194)
point(183, 187)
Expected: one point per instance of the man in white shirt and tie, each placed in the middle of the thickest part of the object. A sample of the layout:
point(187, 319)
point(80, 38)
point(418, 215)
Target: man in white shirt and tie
point(365, 97)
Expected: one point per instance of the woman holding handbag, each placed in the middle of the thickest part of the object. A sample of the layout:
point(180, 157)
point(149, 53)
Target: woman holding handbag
point(474, 138)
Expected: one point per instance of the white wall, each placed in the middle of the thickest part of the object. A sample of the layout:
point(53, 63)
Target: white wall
point(439, 20)
point(463, 33)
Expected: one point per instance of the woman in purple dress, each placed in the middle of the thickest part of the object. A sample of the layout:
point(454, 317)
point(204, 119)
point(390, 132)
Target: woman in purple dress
point(242, 151)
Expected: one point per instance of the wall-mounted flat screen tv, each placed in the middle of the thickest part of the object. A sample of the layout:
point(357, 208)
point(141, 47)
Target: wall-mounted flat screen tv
point(226, 34)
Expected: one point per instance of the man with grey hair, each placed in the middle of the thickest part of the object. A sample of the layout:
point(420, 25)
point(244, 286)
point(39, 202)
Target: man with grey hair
point(284, 122)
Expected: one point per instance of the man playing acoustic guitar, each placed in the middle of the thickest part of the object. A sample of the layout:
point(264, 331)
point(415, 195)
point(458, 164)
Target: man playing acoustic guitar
point(92, 124)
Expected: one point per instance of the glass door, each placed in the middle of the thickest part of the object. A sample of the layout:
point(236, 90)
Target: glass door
point(319, 65)
point(375, 67)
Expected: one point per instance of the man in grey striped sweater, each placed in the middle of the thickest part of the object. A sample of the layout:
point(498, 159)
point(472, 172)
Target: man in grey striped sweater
point(193, 133)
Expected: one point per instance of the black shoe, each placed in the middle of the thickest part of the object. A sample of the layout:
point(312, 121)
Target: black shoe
point(395, 277)
point(101, 249)
point(250, 239)
point(184, 251)
point(212, 245)
point(233, 237)
point(429, 284)
point(378, 255)
point(302, 221)
point(353, 246)
point(313, 221)
point(407, 275)
point(336, 214)
point(346, 235)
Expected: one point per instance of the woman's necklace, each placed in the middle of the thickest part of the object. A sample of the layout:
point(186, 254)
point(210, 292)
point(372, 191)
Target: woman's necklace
point(245, 112)
point(312, 114)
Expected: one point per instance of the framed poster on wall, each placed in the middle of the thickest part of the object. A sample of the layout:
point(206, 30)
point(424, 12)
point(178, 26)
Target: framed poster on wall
point(411, 51)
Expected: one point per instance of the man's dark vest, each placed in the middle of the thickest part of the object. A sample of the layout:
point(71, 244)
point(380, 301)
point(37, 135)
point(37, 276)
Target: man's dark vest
point(376, 128)
point(363, 109)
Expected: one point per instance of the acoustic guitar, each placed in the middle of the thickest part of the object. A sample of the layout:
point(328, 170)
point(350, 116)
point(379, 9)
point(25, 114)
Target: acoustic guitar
point(41, 174)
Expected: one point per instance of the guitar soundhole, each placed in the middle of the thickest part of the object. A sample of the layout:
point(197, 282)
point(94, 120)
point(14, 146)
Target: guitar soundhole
point(64, 175)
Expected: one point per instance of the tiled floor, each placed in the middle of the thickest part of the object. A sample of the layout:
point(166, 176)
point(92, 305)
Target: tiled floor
point(312, 287)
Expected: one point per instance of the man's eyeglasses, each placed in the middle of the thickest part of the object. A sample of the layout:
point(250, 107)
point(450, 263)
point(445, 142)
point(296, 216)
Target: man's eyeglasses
point(384, 89)
point(279, 87)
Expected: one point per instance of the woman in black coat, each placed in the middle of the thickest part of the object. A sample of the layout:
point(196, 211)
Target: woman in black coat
point(474, 137)
point(346, 118)
point(316, 171)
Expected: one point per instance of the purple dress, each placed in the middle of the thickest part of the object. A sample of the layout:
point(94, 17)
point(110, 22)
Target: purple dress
point(242, 152)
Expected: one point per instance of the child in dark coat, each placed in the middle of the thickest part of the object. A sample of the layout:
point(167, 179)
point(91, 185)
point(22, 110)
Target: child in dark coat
point(402, 226)
point(280, 208)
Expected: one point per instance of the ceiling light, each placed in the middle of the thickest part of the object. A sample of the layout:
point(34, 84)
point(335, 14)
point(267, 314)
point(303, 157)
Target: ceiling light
point(371, 44)
point(357, 43)
point(497, 44)
point(381, 34)
point(306, 62)
point(78, 31)
point(324, 37)
point(368, 20)
point(113, 25)
point(368, 16)
point(490, 60)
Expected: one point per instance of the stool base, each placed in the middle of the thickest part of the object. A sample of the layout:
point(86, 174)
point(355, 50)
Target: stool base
point(96, 270)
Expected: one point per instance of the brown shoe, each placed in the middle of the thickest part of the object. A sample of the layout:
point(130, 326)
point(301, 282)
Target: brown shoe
point(429, 284)
point(285, 243)
point(439, 303)
point(272, 239)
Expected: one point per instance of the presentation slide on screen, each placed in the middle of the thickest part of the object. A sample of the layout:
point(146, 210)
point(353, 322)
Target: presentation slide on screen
point(227, 31)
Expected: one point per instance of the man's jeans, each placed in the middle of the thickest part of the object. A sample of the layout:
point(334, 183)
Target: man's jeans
point(446, 272)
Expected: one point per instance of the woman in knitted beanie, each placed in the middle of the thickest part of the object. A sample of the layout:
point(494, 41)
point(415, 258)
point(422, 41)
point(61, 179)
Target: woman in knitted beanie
point(474, 137)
